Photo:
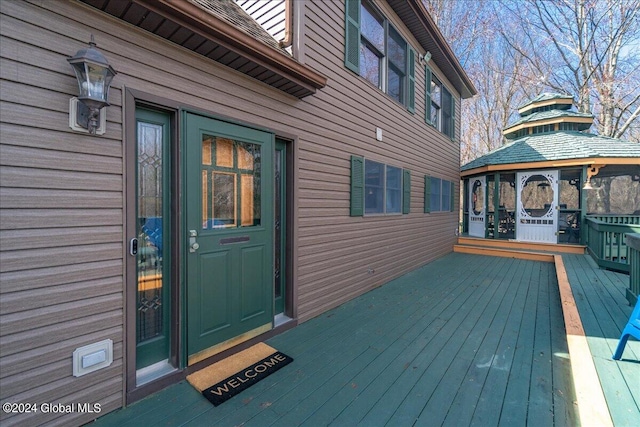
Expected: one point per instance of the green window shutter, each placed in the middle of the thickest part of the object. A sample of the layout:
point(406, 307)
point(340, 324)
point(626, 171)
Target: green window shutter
point(352, 35)
point(406, 191)
point(357, 186)
point(427, 194)
point(411, 70)
point(453, 196)
point(427, 95)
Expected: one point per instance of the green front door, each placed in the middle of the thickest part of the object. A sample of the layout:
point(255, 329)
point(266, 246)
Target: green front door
point(229, 232)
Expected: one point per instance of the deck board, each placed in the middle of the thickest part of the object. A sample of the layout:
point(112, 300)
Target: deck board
point(604, 311)
point(466, 339)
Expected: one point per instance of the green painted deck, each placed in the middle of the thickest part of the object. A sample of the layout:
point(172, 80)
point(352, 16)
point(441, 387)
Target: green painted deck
point(604, 311)
point(464, 340)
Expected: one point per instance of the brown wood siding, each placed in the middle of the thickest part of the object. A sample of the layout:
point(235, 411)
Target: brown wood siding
point(61, 225)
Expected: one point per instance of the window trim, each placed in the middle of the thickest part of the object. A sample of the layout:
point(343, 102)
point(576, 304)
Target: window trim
point(353, 33)
point(359, 188)
point(439, 124)
point(450, 197)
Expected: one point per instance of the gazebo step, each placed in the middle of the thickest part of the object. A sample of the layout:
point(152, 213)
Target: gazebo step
point(553, 248)
point(504, 253)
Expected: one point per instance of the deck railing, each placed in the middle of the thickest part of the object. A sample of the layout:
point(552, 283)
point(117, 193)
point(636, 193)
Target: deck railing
point(633, 243)
point(606, 241)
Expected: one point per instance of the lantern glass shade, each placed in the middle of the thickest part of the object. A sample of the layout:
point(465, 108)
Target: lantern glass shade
point(94, 75)
point(93, 83)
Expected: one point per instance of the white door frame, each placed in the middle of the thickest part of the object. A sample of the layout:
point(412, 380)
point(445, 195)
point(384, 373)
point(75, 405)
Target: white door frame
point(537, 226)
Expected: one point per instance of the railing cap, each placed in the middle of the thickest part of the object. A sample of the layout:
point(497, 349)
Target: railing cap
point(633, 240)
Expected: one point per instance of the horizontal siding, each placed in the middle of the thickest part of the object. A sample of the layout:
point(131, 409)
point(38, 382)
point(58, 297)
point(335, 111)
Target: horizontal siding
point(61, 218)
point(341, 257)
point(61, 266)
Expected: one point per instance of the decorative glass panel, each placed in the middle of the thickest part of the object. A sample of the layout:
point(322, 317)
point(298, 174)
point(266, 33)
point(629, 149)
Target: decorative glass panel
point(205, 198)
point(224, 200)
point(224, 152)
point(237, 166)
point(150, 213)
point(247, 197)
point(206, 151)
point(245, 156)
point(250, 159)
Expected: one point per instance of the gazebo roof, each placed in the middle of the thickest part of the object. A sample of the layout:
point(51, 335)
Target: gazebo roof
point(547, 96)
point(554, 146)
point(550, 117)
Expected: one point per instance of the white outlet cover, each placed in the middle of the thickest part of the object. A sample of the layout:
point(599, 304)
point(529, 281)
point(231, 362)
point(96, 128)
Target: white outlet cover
point(92, 357)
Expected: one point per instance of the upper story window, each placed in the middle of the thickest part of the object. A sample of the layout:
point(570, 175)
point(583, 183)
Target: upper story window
point(375, 50)
point(439, 105)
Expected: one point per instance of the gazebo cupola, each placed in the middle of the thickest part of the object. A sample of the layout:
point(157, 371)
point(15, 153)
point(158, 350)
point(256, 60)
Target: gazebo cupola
point(548, 112)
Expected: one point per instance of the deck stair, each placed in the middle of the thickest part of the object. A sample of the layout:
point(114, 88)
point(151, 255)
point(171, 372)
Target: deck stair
point(515, 249)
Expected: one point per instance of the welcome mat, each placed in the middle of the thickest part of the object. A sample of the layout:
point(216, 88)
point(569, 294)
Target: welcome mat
point(224, 379)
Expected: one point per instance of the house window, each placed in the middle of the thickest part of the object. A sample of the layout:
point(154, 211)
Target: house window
point(377, 188)
point(438, 195)
point(439, 105)
point(376, 51)
point(383, 188)
point(371, 46)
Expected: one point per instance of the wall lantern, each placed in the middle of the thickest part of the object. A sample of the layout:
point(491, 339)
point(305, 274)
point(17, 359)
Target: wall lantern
point(94, 76)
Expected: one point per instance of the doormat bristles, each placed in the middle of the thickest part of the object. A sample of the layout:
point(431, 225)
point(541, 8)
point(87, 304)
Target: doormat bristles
point(226, 378)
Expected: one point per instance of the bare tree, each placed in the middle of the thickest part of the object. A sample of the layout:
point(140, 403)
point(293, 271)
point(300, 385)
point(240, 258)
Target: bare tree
point(587, 48)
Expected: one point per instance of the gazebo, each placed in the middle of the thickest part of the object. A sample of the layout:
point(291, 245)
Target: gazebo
point(553, 180)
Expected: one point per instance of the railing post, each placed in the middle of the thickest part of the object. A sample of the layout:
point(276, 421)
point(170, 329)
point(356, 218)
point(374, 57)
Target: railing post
point(633, 257)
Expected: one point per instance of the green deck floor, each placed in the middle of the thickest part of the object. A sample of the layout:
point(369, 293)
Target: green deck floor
point(604, 311)
point(465, 340)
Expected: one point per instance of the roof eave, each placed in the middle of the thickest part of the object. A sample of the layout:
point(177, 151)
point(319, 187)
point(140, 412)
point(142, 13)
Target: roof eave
point(459, 79)
point(542, 164)
point(205, 23)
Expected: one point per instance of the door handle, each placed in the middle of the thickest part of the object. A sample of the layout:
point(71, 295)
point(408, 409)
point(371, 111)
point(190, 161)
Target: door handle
point(133, 246)
point(193, 245)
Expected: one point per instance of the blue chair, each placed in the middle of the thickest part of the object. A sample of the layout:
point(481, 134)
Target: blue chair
point(632, 329)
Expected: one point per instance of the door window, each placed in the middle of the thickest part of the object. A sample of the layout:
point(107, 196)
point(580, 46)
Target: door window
point(231, 179)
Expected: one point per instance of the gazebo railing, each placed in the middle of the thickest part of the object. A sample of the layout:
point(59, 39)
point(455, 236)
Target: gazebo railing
point(606, 240)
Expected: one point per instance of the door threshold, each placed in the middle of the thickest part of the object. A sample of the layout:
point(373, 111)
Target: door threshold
point(153, 372)
point(281, 319)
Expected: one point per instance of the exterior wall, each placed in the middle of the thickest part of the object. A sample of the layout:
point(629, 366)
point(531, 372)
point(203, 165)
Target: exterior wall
point(337, 251)
point(62, 269)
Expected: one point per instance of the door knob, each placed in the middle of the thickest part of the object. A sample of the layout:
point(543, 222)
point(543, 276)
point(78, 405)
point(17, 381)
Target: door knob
point(193, 245)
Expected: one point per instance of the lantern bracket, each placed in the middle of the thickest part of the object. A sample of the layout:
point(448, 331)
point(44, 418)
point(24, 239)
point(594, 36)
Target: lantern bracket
point(80, 118)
